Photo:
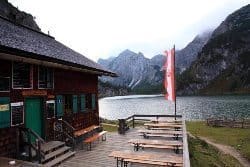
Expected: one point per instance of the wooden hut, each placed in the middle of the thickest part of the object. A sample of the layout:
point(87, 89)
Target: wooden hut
point(43, 81)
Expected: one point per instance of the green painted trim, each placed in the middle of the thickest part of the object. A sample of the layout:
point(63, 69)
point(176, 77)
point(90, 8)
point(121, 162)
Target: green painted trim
point(59, 105)
point(93, 101)
point(5, 115)
point(75, 103)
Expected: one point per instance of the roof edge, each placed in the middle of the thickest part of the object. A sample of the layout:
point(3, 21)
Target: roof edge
point(25, 54)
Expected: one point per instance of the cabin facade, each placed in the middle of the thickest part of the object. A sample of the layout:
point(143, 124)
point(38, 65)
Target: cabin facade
point(41, 82)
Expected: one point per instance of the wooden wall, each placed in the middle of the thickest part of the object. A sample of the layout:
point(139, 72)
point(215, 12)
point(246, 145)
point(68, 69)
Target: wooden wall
point(65, 82)
point(8, 142)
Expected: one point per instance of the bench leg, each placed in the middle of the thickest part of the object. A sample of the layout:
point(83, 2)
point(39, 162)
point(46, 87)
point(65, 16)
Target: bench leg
point(89, 147)
point(104, 138)
point(119, 160)
point(177, 150)
point(125, 164)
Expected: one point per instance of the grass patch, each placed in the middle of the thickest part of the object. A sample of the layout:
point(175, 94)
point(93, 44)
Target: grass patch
point(235, 137)
point(205, 155)
point(109, 127)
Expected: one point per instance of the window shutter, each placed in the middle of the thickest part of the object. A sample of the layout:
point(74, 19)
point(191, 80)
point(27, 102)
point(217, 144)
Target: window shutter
point(4, 112)
point(93, 102)
point(59, 105)
point(83, 105)
point(74, 103)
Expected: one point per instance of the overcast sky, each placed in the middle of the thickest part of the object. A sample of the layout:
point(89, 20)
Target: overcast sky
point(104, 28)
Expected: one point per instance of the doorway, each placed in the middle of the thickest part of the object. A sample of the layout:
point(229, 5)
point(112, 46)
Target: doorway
point(34, 115)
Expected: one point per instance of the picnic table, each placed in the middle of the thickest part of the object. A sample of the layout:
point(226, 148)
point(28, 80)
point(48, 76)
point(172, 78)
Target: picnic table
point(141, 143)
point(160, 133)
point(124, 157)
point(163, 125)
point(178, 122)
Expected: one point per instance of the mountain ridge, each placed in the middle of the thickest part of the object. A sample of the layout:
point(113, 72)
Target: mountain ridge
point(223, 64)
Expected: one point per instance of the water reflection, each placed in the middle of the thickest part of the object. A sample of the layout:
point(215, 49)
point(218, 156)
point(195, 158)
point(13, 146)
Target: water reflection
point(193, 108)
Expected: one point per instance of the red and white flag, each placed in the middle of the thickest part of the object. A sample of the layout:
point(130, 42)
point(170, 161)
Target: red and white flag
point(169, 79)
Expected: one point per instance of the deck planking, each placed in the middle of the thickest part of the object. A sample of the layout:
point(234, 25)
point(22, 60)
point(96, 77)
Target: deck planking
point(99, 155)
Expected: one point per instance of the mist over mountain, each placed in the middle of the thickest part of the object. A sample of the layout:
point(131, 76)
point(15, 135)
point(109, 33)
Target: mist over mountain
point(143, 75)
point(223, 65)
point(214, 62)
point(187, 55)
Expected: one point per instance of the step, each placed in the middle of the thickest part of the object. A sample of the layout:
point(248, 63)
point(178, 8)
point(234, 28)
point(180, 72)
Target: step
point(55, 153)
point(51, 145)
point(59, 159)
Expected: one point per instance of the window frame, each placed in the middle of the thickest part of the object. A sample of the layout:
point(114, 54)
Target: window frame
point(23, 113)
point(51, 102)
point(53, 77)
point(88, 101)
point(66, 110)
point(31, 76)
point(9, 84)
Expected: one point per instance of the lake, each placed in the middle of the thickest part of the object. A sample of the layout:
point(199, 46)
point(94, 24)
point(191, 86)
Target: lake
point(191, 107)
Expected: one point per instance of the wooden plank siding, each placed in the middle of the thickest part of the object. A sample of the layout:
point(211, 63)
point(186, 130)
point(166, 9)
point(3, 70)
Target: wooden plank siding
point(65, 82)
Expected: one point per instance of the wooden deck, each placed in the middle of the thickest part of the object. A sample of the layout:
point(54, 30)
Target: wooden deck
point(98, 157)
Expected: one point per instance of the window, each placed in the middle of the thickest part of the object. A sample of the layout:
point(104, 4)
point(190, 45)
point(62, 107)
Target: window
point(46, 77)
point(82, 102)
point(88, 101)
point(4, 84)
point(50, 107)
point(22, 75)
point(68, 101)
point(17, 113)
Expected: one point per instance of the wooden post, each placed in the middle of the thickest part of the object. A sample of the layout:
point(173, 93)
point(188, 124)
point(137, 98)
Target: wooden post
point(29, 143)
point(133, 121)
point(17, 143)
point(39, 151)
point(174, 87)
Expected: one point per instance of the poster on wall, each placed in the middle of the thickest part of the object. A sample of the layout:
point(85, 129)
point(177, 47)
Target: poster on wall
point(50, 107)
point(4, 107)
point(17, 113)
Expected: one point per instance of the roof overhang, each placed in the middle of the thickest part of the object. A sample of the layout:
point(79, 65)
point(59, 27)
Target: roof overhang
point(23, 56)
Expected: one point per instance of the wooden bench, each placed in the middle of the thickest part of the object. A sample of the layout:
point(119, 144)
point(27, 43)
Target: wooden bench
point(95, 137)
point(163, 125)
point(84, 131)
point(126, 161)
point(124, 157)
point(160, 133)
point(163, 144)
point(175, 148)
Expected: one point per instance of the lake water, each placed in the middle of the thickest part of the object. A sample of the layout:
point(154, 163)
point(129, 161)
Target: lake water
point(191, 107)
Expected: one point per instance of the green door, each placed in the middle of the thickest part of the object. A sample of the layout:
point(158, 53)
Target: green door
point(33, 115)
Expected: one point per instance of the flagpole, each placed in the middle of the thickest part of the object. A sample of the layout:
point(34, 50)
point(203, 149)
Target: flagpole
point(174, 87)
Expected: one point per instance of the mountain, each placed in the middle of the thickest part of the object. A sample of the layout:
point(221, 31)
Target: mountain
point(143, 75)
point(10, 12)
point(135, 71)
point(223, 65)
point(187, 55)
point(107, 90)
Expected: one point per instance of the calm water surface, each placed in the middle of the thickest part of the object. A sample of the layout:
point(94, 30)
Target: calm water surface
point(192, 108)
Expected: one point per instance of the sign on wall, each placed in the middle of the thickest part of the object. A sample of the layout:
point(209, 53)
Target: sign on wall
point(17, 113)
point(34, 93)
point(4, 107)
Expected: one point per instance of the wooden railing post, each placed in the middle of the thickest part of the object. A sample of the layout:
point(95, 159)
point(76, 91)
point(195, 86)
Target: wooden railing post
point(39, 151)
point(133, 121)
point(29, 142)
point(17, 143)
